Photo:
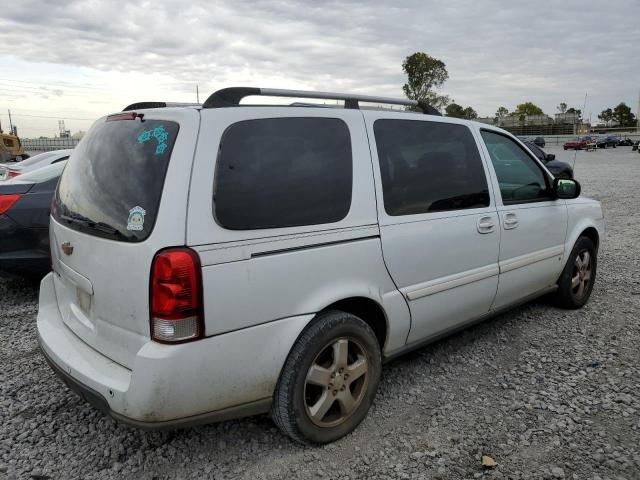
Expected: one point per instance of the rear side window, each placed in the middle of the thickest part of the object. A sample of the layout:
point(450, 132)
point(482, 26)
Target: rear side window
point(283, 172)
point(112, 184)
point(429, 167)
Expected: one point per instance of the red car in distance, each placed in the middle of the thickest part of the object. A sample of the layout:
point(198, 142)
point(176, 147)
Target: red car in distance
point(578, 143)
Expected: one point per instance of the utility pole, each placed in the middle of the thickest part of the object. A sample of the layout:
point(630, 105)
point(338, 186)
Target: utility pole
point(197, 94)
point(10, 123)
point(638, 114)
point(584, 112)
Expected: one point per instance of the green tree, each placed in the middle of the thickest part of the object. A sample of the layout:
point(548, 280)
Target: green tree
point(623, 115)
point(606, 115)
point(562, 108)
point(502, 112)
point(425, 74)
point(526, 108)
point(470, 113)
point(457, 111)
point(454, 110)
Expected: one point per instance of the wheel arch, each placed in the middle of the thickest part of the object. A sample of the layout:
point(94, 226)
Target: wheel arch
point(592, 234)
point(588, 225)
point(369, 311)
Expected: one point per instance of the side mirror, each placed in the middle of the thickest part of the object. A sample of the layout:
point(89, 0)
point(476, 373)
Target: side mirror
point(565, 188)
point(550, 156)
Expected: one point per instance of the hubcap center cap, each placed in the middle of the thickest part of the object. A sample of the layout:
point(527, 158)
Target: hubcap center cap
point(338, 381)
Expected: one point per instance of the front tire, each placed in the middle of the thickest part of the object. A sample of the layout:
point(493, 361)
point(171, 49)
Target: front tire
point(329, 379)
point(579, 274)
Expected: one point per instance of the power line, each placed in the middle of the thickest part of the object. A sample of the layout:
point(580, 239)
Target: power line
point(41, 92)
point(55, 118)
point(62, 84)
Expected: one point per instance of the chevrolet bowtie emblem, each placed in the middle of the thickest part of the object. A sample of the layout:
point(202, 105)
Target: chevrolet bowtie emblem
point(67, 248)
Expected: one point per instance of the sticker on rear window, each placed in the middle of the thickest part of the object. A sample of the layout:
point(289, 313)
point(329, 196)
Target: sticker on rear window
point(136, 218)
point(161, 136)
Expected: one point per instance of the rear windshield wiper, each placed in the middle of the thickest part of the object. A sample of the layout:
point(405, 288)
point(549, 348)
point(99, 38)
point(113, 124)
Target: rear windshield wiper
point(75, 219)
point(99, 226)
point(108, 229)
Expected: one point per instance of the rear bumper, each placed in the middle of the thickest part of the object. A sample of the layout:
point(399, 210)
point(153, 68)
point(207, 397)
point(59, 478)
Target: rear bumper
point(98, 402)
point(216, 378)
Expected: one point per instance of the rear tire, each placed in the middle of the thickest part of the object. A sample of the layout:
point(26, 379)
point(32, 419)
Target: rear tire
point(329, 379)
point(579, 275)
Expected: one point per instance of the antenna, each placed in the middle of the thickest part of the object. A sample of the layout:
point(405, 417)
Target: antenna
point(575, 153)
point(638, 113)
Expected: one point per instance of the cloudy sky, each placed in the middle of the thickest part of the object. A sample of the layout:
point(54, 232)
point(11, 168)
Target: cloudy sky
point(79, 60)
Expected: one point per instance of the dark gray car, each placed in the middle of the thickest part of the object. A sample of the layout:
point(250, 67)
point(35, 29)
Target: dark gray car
point(24, 220)
point(558, 168)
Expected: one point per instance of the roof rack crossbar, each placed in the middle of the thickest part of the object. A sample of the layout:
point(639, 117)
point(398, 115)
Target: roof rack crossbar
point(231, 97)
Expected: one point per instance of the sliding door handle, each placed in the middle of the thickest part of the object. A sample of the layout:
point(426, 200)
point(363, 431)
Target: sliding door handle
point(510, 221)
point(486, 225)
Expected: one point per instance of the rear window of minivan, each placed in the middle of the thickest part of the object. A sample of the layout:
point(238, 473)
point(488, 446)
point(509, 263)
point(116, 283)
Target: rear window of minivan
point(113, 182)
point(283, 172)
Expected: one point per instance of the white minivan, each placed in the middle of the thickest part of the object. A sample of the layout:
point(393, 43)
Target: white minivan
point(221, 260)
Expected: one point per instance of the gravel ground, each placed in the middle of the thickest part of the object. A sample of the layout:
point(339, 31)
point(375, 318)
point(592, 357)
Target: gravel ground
point(547, 393)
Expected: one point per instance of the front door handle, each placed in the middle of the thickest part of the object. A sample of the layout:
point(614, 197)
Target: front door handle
point(486, 225)
point(510, 221)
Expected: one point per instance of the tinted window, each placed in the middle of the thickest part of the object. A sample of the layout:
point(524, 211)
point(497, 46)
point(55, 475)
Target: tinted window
point(429, 167)
point(519, 176)
point(283, 172)
point(111, 186)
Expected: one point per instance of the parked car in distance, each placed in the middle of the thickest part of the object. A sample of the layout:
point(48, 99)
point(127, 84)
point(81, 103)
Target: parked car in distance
point(539, 141)
point(9, 171)
point(558, 168)
point(606, 141)
point(611, 141)
point(270, 258)
point(24, 220)
point(578, 143)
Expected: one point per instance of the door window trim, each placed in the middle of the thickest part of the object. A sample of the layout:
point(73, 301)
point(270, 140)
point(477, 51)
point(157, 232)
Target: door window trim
point(424, 216)
point(548, 198)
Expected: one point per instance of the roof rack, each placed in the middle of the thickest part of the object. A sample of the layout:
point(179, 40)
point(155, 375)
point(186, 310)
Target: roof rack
point(142, 105)
point(231, 97)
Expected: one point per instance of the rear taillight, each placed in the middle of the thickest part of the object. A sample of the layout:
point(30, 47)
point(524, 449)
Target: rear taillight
point(176, 296)
point(12, 174)
point(7, 201)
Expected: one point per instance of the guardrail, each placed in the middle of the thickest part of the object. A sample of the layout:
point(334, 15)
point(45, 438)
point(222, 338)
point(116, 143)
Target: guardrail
point(48, 144)
point(561, 139)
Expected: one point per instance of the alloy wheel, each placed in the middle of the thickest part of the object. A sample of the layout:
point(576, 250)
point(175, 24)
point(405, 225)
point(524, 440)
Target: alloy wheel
point(336, 382)
point(581, 276)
